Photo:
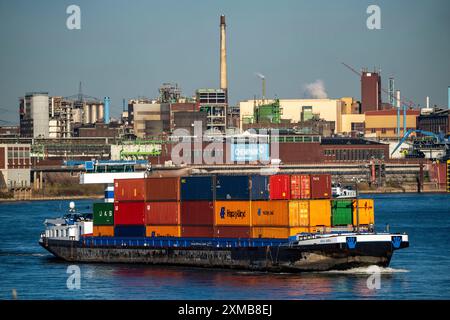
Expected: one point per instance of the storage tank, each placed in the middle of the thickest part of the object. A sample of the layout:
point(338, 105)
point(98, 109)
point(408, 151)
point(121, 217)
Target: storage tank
point(100, 112)
point(94, 116)
point(87, 114)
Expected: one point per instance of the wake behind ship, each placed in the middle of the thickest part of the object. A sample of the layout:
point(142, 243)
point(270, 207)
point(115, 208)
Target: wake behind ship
point(277, 223)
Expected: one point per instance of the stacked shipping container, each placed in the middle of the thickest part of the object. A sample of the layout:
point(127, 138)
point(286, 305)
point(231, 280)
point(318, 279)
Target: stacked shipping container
point(232, 212)
point(227, 207)
point(197, 207)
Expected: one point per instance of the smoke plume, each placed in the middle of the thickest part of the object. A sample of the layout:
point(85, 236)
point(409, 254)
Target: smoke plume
point(315, 90)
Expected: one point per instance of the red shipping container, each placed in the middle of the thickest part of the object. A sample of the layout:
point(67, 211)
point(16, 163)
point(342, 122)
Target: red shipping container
point(197, 231)
point(280, 187)
point(232, 232)
point(320, 186)
point(129, 213)
point(129, 190)
point(300, 187)
point(197, 213)
point(167, 189)
point(162, 213)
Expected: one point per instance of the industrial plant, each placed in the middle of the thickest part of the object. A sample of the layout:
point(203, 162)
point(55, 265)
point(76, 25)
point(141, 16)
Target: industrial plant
point(383, 145)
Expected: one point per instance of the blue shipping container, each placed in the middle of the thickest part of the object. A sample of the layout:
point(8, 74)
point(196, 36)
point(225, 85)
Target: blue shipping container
point(232, 188)
point(197, 188)
point(129, 231)
point(260, 187)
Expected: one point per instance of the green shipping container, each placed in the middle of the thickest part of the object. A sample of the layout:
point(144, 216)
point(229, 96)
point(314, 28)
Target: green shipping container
point(103, 214)
point(341, 212)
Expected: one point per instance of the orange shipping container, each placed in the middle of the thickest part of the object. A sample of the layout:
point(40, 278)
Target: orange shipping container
point(299, 213)
point(103, 231)
point(320, 213)
point(129, 190)
point(270, 213)
point(232, 213)
point(163, 231)
point(366, 212)
point(277, 233)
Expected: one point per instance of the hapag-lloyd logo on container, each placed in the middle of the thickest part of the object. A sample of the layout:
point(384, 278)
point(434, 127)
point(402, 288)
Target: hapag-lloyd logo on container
point(234, 214)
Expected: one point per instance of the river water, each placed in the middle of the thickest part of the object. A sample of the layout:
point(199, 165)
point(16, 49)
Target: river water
point(421, 271)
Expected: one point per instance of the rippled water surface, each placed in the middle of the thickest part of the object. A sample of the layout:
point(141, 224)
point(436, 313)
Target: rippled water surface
point(421, 271)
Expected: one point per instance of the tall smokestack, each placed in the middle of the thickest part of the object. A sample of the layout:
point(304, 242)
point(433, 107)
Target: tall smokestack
point(223, 55)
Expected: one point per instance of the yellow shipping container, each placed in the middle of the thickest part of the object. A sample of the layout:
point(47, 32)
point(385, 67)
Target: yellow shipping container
point(320, 213)
point(270, 213)
point(366, 212)
point(163, 231)
point(232, 213)
point(277, 233)
point(298, 213)
point(103, 231)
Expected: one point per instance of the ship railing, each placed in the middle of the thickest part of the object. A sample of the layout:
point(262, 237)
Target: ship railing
point(178, 243)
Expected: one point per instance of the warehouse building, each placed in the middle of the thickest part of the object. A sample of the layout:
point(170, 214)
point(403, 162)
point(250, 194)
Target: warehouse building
point(15, 165)
point(383, 123)
point(437, 121)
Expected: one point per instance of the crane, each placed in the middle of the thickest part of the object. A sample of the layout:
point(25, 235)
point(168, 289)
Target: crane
point(407, 102)
point(440, 138)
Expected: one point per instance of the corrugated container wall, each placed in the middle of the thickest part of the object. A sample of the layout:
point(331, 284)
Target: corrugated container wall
point(232, 188)
point(300, 187)
point(280, 187)
point(232, 232)
point(232, 213)
point(129, 231)
point(319, 213)
point(276, 232)
point(270, 213)
point(197, 188)
point(103, 214)
point(259, 186)
point(129, 213)
point(366, 212)
point(129, 190)
point(103, 231)
point(299, 213)
point(162, 189)
point(197, 213)
point(320, 186)
point(341, 212)
point(197, 231)
point(162, 213)
point(163, 231)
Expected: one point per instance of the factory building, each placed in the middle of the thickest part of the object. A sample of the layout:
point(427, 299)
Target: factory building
point(214, 103)
point(296, 110)
point(353, 123)
point(370, 91)
point(291, 150)
point(436, 121)
point(15, 166)
point(99, 129)
point(148, 118)
point(34, 115)
point(383, 123)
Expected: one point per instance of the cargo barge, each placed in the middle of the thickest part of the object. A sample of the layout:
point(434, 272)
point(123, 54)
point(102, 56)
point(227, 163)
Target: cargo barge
point(278, 223)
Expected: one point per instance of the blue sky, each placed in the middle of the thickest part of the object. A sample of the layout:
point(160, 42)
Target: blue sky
point(127, 49)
